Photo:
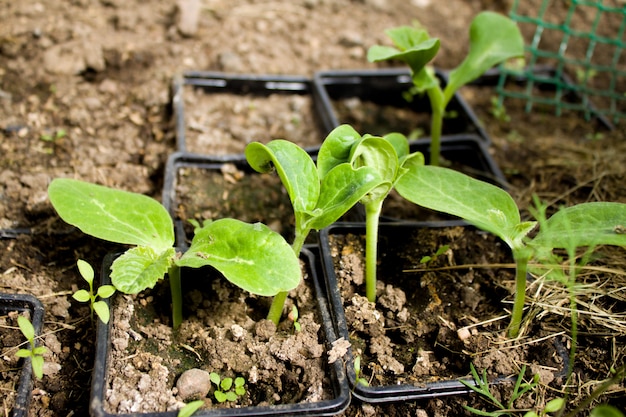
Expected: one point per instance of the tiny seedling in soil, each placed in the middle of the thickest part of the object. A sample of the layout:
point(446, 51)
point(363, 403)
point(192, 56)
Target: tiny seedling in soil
point(494, 38)
point(357, 372)
point(320, 194)
point(227, 389)
point(442, 249)
point(104, 291)
point(34, 352)
point(251, 256)
point(293, 316)
point(491, 208)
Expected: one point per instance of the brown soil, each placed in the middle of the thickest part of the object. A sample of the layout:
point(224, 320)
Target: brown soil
point(96, 76)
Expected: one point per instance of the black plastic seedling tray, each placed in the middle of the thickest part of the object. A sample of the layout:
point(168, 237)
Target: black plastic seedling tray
point(387, 89)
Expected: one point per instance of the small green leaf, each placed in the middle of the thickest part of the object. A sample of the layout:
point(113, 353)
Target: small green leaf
point(82, 296)
point(414, 47)
point(86, 271)
point(23, 353)
point(336, 148)
point(231, 396)
point(226, 384)
point(140, 268)
point(605, 410)
point(215, 378)
point(102, 311)
point(220, 396)
point(114, 215)
point(105, 291)
point(240, 391)
point(36, 362)
point(554, 405)
point(494, 38)
point(251, 256)
point(239, 382)
point(190, 408)
point(26, 327)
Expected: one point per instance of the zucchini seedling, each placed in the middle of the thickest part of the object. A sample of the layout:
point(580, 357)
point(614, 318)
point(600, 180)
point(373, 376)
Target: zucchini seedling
point(492, 209)
point(493, 39)
point(251, 256)
point(320, 194)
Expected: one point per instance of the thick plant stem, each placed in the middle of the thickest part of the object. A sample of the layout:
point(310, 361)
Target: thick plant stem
point(177, 296)
point(372, 215)
point(278, 302)
point(521, 270)
point(437, 105)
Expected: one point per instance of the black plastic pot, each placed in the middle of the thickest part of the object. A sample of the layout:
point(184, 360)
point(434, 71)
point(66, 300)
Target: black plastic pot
point(394, 238)
point(238, 84)
point(384, 91)
point(335, 371)
point(23, 303)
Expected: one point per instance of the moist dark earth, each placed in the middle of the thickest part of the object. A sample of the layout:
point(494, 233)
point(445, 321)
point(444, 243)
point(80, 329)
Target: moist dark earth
point(86, 93)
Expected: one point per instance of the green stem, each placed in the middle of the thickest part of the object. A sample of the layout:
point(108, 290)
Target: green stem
point(177, 296)
point(521, 270)
point(278, 302)
point(372, 216)
point(437, 105)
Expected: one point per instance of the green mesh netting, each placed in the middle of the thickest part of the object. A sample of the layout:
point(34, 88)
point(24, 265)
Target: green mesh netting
point(574, 54)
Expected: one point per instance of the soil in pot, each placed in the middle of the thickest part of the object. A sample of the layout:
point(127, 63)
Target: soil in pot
point(224, 331)
point(224, 123)
point(432, 319)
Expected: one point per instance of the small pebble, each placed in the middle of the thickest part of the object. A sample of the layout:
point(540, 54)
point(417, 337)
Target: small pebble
point(193, 384)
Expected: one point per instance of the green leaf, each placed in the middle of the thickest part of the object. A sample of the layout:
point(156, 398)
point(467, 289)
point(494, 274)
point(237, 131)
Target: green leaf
point(189, 409)
point(226, 384)
point(82, 296)
point(102, 311)
point(294, 166)
point(220, 396)
point(231, 396)
point(482, 204)
point(140, 268)
point(415, 48)
point(240, 382)
point(215, 378)
point(494, 38)
point(86, 271)
point(36, 362)
point(605, 410)
point(26, 327)
point(341, 189)
point(336, 148)
point(251, 256)
point(586, 224)
point(105, 291)
point(114, 215)
point(554, 405)
point(23, 353)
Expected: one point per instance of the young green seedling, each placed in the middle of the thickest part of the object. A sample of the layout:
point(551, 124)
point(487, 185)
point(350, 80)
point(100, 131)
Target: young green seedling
point(227, 389)
point(357, 372)
point(492, 209)
point(320, 194)
point(34, 352)
point(293, 316)
point(190, 408)
point(104, 291)
point(389, 157)
point(251, 256)
point(494, 38)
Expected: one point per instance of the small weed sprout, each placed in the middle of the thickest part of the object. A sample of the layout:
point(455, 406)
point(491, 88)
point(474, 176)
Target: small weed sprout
point(357, 371)
point(227, 389)
point(481, 387)
point(52, 137)
point(34, 352)
point(440, 251)
point(104, 291)
point(498, 110)
point(293, 316)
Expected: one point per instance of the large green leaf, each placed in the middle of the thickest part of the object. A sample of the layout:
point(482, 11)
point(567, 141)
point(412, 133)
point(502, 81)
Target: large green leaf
point(140, 268)
point(482, 204)
point(494, 38)
point(114, 215)
point(294, 166)
point(586, 224)
point(251, 256)
point(414, 47)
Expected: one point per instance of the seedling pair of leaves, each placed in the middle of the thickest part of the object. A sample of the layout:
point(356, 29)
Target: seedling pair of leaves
point(227, 389)
point(34, 352)
point(104, 291)
point(494, 38)
point(251, 256)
